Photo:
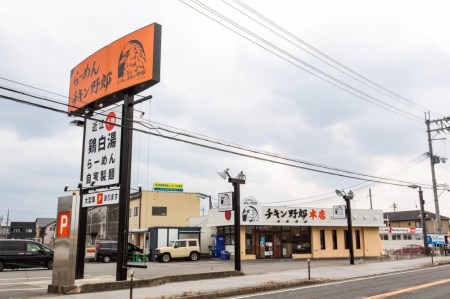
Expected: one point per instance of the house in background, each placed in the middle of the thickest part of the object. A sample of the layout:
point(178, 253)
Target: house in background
point(411, 219)
point(49, 230)
point(41, 225)
point(22, 230)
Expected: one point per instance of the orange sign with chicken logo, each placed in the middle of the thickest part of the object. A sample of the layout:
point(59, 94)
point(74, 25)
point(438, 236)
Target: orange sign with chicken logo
point(131, 63)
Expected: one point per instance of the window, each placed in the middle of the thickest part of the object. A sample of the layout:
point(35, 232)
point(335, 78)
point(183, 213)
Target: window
point(228, 233)
point(396, 237)
point(301, 239)
point(14, 246)
point(28, 230)
point(334, 236)
point(418, 224)
point(358, 239)
point(16, 230)
point(180, 244)
point(322, 239)
point(407, 237)
point(159, 211)
point(31, 247)
point(136, 211)
point(384, 237)
point(192, 243)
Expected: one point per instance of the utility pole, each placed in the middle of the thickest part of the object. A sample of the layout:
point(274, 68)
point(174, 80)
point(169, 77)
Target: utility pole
point(370, 197)
point(394, 205)
point(444, 126)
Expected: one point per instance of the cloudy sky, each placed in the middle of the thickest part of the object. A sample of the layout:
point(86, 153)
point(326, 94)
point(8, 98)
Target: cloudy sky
point(251, 84)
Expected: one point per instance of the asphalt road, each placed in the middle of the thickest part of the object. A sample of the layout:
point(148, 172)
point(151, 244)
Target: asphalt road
point(32, 283)
point(422, 283)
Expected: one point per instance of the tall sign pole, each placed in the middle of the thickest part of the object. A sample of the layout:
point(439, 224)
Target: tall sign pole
point(113, 74)
point(125, 184)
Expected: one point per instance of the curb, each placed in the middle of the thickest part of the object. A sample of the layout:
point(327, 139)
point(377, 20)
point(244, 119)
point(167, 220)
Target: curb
point(144, 283)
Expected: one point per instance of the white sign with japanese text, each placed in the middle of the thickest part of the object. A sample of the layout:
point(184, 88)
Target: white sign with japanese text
point(101, 198)
point(339, 212)
point(102, 149)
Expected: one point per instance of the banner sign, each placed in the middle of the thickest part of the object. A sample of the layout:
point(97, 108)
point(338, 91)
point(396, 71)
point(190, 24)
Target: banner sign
point(102, 149)
point(109, 197)
point(131, 62)
point(175, 187)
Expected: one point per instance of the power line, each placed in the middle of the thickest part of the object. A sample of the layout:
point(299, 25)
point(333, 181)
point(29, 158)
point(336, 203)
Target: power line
point(328, 78)
point(343, 68)
point(381, 180)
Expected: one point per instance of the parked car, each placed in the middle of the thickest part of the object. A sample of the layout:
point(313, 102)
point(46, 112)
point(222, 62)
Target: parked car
point(185, 248)
point(15, 254)
point(106, 251)
point(410, 249)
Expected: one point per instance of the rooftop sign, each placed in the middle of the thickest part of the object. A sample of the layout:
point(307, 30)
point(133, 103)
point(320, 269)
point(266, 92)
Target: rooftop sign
point(177, 187)
point(132, 63)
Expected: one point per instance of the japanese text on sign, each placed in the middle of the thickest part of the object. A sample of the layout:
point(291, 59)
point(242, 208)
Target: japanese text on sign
point(101, 198)
point(102, 149)
point(282, 215)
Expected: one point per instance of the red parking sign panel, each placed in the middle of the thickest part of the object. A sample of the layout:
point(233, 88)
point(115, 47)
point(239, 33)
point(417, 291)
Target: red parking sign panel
point(63, 225)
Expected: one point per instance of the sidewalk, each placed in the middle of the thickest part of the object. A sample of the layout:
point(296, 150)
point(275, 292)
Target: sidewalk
point(238, 285)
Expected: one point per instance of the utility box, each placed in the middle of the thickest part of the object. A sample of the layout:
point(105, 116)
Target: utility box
point(65, 249)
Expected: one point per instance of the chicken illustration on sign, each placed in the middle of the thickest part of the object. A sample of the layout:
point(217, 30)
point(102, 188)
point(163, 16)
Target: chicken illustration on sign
point(130, 63)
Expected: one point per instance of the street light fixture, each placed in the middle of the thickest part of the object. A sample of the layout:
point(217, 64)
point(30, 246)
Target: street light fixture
point(237, 181)
point(347, 198)
point(422, 217)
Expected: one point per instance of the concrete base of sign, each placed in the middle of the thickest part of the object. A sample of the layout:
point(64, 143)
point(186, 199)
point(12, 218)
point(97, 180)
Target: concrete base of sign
point(52, 289)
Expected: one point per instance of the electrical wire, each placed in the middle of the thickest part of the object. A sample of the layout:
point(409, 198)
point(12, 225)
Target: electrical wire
point(341, 67)
point(213, 147)
point(227, 144)
point(328, 78)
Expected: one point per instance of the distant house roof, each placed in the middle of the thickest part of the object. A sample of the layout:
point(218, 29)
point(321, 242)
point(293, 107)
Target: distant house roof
point(409, 215)
point(43, 222)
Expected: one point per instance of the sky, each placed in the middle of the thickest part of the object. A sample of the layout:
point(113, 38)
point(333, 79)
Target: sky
point(255, 86)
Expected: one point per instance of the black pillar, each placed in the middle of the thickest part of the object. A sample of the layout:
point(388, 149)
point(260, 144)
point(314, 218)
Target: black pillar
point(82, 219)
point(237, 222)
point(349, 230)
point(124, 193)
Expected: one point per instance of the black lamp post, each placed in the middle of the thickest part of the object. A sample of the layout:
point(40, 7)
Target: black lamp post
point(422, 217)
point(240, 179)
point(348, 210)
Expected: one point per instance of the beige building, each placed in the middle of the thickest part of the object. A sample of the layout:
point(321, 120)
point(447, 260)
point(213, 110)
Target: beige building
point(158, 208)
point(411, 219)
point(298, 232)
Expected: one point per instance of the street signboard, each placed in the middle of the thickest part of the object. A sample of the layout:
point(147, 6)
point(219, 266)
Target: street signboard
point(225, 201)
point(102, 149)
point(174, 187)
point(95, 199)
point(131, 62)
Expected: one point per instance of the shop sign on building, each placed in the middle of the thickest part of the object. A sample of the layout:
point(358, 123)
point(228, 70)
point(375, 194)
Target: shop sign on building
point(339, 212)
point(173, 187)
point(102, 149)
point(101, 198)
point(225, 201)
point(251, 211)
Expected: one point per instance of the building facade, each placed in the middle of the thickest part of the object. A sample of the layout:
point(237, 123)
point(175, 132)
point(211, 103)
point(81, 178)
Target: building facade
point(412, 219)
point(302, 232)
point(160, 209)
point(22, 230)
